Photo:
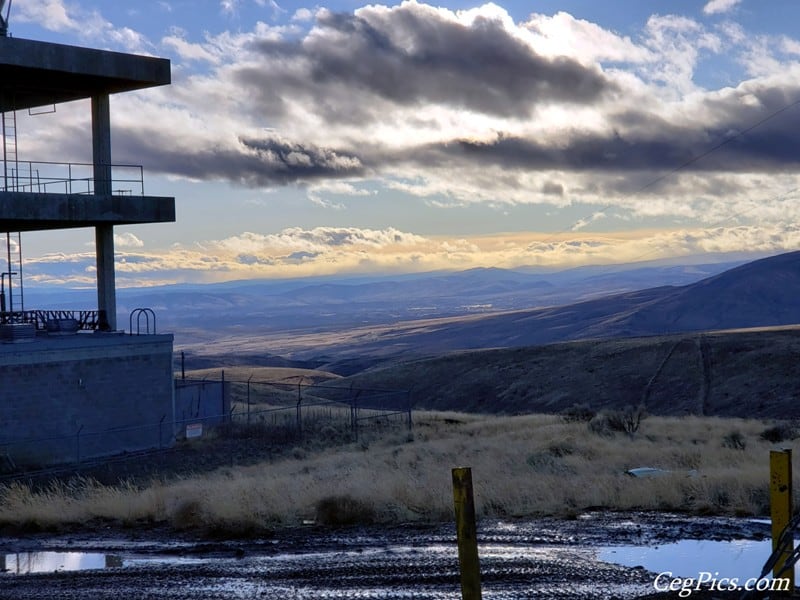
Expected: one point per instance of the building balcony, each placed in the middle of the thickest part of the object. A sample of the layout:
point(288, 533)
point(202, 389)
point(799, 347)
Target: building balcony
point(36, 196)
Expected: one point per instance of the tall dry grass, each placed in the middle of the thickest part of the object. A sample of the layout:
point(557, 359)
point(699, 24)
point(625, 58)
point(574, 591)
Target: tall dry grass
point(522, 466)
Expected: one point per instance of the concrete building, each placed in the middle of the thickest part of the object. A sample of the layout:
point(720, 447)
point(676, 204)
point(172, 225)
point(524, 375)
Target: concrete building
point(72, 383)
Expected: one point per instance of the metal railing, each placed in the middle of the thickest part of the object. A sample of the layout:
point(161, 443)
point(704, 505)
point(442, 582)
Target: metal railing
point(44, 177)
point(87, 320)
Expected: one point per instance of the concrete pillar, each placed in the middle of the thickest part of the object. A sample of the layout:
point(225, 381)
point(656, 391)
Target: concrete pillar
point(106, 287)
point(104, 234)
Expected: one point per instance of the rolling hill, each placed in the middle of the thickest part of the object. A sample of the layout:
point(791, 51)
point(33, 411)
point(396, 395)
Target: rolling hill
point(744, 373)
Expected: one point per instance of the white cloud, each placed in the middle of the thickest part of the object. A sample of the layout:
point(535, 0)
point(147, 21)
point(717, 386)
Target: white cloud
point(127, 240)
point(715, 7)
point(564, 35)
point(229, 7)
point(58, 16)
point(190, 51)
point(302, 15)
point(50, 14)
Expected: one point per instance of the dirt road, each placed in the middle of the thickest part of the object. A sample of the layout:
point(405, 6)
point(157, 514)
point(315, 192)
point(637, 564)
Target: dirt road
point(546, 558)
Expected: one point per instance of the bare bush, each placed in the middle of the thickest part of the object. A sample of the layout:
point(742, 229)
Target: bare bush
point(734, 440)
point(578, 412)
point(627, 420)
point(781, 432)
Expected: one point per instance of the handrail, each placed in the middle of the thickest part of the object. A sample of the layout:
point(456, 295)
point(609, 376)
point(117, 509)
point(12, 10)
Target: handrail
point(87, 319)
point(139, 313)
point(46, 177)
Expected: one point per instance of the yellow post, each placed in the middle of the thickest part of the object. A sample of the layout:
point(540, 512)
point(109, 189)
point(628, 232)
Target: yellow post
point(467, 534)
point(780, 495)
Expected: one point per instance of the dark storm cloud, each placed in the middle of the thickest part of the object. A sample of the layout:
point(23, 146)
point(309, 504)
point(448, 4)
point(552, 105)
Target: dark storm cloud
point(267, 161)
point(413, 55)
point(353, 75)
point(739, 138)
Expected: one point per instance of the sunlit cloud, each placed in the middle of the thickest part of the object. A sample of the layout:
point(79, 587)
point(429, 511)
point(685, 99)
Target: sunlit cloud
point(349, 251)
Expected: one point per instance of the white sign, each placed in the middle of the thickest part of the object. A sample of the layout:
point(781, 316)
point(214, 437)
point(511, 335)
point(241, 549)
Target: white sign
point(194, 430)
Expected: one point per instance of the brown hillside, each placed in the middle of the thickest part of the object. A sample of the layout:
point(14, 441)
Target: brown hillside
point(746, 373)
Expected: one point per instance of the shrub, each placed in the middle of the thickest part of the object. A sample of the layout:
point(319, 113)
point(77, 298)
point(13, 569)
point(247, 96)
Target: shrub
point(578, 413)
point(734, 440)
point(779, 433)
point(599, 425)
point(627, 420)
point(188, 514)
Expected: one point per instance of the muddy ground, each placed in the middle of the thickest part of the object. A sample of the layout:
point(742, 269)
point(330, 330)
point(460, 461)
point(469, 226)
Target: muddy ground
point(545, 558)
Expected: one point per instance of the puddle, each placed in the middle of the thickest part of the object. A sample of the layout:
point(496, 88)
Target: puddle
point(687, 558)
point(22, 563)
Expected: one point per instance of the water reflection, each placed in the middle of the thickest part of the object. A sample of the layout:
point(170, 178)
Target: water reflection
point(22, 563)
point(686, 558)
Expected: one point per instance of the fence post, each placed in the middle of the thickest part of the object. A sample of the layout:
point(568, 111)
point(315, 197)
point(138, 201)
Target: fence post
point(408, 407)
point(222, 396)
point(78, 445)
point(248, 398)
point(160, 423)
point(354, 414)
point(299, 413)
point(780, 495)
point(466, 534)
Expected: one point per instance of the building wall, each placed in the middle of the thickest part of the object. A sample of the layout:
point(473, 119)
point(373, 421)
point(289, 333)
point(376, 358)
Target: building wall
point(86, 395)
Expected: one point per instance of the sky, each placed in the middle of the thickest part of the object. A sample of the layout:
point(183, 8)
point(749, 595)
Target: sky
point(347, 138)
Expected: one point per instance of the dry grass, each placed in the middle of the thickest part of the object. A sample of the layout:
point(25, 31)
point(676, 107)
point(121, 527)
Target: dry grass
point(522, 466)
point(272, 374)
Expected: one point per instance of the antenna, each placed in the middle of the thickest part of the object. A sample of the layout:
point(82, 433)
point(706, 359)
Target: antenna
point(4, 20)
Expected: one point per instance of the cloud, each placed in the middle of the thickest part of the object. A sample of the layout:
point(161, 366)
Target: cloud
point(189, 51)
point(414, 54)
point(56, 15)
point(302, 15)
point(325, 251)
point(127, 240)
point(715, 7)
point(229, 7)
point(461, 107)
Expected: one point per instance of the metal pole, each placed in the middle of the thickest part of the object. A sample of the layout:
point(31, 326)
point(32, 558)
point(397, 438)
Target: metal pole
point(299, 414)
point(248, 398)
point(408, 405)
point(780, 495)
point(467, 534)
point(160, 423)
point(183, 366)
point(78, 444)
point(222, 395)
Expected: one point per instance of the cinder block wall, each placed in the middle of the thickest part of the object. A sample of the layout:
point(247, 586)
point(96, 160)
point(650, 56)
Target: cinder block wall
point(83, 396)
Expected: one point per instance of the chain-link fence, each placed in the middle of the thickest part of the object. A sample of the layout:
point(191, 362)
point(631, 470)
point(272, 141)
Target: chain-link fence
point(276, 412)
point(299, 407)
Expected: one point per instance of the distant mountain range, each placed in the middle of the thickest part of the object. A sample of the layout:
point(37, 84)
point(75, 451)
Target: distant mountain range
point(335, 302)
point(348, 324)
point(759, 293)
